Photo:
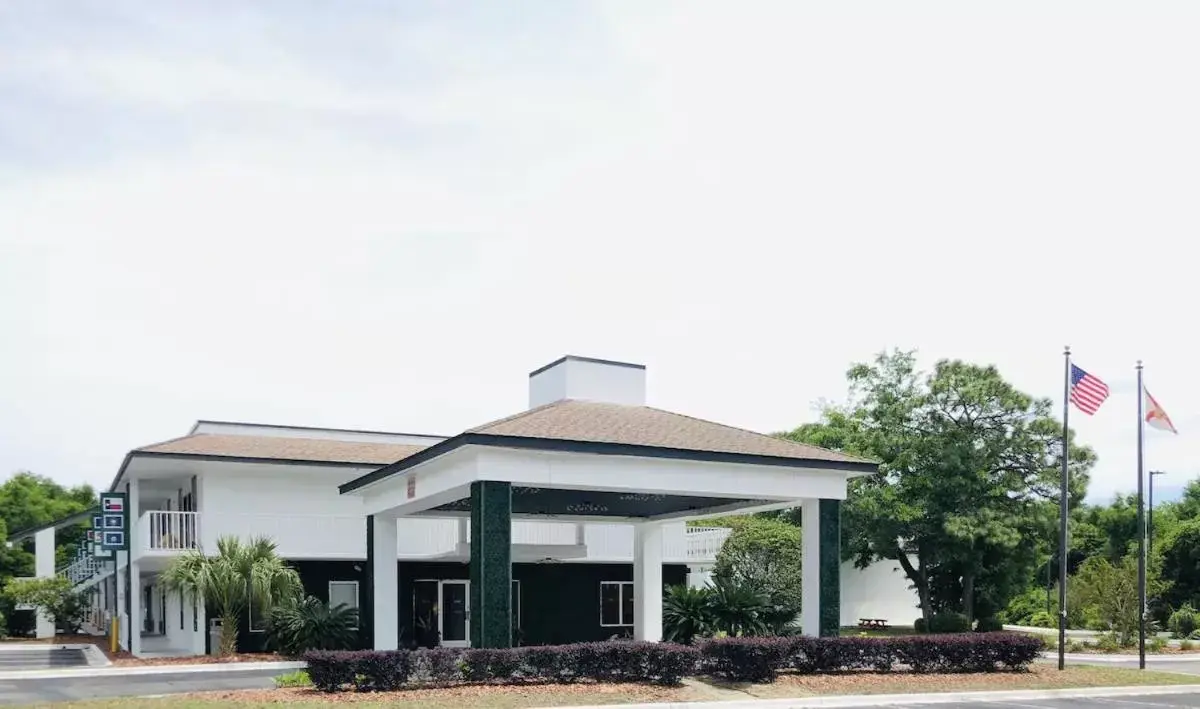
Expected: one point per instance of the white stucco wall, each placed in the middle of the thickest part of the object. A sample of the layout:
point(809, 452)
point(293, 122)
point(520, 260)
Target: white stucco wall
point(301, 510)
point(878, 591)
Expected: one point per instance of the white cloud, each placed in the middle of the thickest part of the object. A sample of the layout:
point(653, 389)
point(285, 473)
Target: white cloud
point(744, 201)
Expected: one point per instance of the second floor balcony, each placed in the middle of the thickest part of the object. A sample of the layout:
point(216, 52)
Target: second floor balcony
point(310, 536)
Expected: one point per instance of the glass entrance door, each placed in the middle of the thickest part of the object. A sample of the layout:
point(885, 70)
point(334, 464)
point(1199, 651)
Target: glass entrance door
point(456, 614)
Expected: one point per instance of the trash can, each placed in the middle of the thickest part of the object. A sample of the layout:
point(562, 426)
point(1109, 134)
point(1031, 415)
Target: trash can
point(214, 636)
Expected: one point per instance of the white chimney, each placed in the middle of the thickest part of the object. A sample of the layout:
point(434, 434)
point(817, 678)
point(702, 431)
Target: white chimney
point(588, 379)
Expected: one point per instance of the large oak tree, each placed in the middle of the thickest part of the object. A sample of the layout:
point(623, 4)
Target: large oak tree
point(968, 481)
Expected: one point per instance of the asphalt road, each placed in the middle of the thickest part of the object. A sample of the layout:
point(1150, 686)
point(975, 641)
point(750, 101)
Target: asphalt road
point(30, 691)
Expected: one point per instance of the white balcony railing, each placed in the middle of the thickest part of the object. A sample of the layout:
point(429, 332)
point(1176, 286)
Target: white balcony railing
point(169, 531)
point(704, 543)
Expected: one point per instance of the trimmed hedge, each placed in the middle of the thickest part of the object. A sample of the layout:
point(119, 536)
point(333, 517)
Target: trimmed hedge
point(761, 659)
point(367, 671)
point(735, 659)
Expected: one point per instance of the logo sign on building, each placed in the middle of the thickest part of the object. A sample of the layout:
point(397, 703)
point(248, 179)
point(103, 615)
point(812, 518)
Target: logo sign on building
point(412, 485)
point(113, 528)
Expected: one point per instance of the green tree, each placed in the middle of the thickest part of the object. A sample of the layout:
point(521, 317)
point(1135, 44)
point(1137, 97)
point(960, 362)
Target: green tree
point(1181, 564)
point(238, 577)
point(55, 596)
point(762, 555)
point(1108, 593)
point(968, 463)
point(27, 501)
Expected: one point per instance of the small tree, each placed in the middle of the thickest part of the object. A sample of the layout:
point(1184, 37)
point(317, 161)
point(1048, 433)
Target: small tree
point(240, 575)
point(1109, 593)
point(55, 596)
point(762, 556)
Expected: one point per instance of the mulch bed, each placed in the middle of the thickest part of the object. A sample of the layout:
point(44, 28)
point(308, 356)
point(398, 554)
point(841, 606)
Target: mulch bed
point(1036, 677)
point(465, 696)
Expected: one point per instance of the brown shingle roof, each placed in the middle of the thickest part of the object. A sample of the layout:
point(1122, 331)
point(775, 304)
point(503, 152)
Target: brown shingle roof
point(573, 420)
point(281, 448)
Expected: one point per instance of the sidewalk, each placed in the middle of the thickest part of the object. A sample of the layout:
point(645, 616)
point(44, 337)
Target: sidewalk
point(891, 700)
point(137, 671)
point(1081, 634)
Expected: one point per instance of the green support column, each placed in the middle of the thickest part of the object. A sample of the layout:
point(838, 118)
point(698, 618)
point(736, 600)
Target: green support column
point(491, 564)
point(831, 567)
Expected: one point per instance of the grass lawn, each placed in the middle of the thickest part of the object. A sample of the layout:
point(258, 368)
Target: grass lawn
point(531, 697)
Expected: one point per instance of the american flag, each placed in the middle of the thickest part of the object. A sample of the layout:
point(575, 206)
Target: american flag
point(1087, 392)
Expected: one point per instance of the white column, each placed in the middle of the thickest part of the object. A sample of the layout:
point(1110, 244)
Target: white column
point(43, 568)
point(198, 629)
point(647, 582)
point(385, 578)
point(135, 579)
point(810, 582)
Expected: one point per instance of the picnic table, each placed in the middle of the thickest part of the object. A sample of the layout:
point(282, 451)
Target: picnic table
point(873, 623)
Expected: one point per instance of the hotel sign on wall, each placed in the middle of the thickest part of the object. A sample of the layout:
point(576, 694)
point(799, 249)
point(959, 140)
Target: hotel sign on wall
point(110, 528)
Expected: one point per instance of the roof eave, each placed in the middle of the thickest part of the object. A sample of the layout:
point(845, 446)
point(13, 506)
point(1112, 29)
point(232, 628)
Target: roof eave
point(851, 468)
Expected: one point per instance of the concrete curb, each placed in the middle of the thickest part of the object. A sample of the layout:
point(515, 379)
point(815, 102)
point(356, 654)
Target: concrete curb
point(1089, 658)
point(894, 700)
point(136, 671)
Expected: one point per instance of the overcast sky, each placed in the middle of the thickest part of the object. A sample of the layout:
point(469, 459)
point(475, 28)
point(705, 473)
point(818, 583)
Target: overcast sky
point(383, 215)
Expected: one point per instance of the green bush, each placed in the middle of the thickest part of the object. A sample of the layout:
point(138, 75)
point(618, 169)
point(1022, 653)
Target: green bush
point(1183, 622)
point(299, 678)
point(1156, 644)
point(3, 627)
point(309, 624)
point(687, 613)
point(1187, 646)
point(991, 624)
point(1109, 643)
point(919, 626)
point(55, 596)
point(739, 610)
point(760, 555)
point(1042, 619)
point(949, 622)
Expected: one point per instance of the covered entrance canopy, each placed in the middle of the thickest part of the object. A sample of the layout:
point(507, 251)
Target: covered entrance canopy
point(574, 458)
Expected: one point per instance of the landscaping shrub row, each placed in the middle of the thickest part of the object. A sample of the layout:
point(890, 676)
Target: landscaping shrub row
point(736, 659)
point(761, 659)
point(365, 671)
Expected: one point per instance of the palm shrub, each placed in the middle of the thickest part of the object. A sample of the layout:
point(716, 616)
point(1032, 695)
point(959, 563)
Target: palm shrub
point(739, 610)
point(687, 613)
point(309, 624)
point(238, 576)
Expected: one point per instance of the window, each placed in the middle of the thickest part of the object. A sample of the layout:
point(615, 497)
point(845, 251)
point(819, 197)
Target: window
point(343, 593)
point(616, 603)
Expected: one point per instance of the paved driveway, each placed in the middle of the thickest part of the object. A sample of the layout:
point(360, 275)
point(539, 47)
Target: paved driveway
point(30, 691)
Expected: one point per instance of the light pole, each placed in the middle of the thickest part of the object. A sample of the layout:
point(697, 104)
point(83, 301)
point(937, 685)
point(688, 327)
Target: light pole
point(1150, 520)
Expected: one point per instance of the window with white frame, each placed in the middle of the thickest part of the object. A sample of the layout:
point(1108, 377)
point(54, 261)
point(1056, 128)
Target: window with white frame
point(616, 603)
point(343, 593)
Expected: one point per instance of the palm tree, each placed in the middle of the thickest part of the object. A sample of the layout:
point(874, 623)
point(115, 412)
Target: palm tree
point(240, 575)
